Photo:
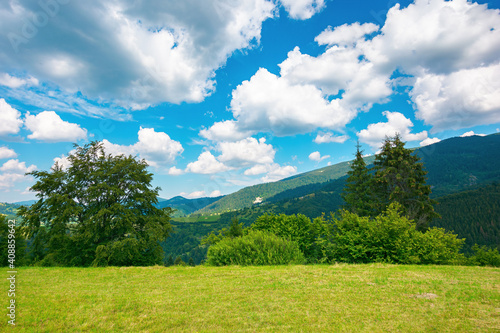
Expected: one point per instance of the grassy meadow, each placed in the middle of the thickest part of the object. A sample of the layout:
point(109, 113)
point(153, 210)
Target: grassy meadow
point(336, 298)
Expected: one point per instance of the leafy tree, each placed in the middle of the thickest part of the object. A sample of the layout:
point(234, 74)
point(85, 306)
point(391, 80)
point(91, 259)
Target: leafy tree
point(191, 261)
point(400, 177)
point(170, 261)
point(235, 228)
point(100, 210)
point(179, 262)
point(19, 244)
point(357, 193)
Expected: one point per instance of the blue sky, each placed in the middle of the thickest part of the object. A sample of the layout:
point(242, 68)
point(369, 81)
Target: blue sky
point(217, 95)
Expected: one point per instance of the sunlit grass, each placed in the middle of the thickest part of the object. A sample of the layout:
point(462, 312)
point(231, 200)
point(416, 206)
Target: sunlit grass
point(350, 298)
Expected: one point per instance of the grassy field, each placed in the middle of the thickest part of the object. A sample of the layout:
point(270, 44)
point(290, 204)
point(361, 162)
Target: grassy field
point(338, 298)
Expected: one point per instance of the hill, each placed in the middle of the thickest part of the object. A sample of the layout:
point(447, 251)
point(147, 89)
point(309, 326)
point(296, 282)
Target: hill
point(473, 215)
point(453, 165)
point(185, 206)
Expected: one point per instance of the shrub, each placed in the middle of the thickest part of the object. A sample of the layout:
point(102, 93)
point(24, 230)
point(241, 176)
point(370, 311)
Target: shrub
point(310, 236)
point(256, 248)
point(484, 256)
point(390, 238)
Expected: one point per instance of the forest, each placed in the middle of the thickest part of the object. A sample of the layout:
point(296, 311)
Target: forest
point(103, 211)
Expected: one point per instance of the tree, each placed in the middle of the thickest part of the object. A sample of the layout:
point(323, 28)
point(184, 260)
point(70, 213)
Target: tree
point(101, 210)
point(11, 238)
point(235, 228)
point(357, 193)
point(400, 177)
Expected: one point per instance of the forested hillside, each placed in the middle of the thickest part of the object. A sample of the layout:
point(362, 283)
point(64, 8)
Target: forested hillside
point(473, 215)
point(453, 165)
point(185, 206)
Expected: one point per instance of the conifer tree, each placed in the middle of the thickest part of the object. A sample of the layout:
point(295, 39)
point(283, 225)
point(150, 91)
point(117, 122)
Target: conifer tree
point(357, 193)
point(400, 177)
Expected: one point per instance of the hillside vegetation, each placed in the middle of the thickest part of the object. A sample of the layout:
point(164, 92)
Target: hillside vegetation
point(342, 298)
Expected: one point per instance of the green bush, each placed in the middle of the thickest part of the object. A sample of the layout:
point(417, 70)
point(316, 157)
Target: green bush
point(256, 248)
point(309, 235)
point(390, 238)
point(484, 256)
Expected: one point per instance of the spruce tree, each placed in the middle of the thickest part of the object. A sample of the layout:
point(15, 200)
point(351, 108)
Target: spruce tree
point(357, 193)
point(400, 176)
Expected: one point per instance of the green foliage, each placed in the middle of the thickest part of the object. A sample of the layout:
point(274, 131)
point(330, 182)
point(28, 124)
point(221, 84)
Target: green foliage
point(309, 235)
point(391, 238)
point(99, 201)
point(484, 256)
point(16, 240)
point(357, 193)
point(472, 214)
point(179, 262)
point(256, 248)
point(400, 177)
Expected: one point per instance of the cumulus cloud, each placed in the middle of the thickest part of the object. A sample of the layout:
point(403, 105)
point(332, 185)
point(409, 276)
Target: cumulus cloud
point(271, 103)
point(13, 171)
point(278, 172)
point(10, 121)
point(461, 99)
point(173, 171)
point(48, 126)
point(375, 134)
point(16, 82)
point(201, 194)
point(316, 156)
point(157, 148)
point(206, 164)
point(446, 52)
point(134, 53)
point(7, 153)
point(246, 152)
point(302, 9)
point(346, 34)
point(429, 141)
point(329, 137)
point(224, 131)
point(470, 133)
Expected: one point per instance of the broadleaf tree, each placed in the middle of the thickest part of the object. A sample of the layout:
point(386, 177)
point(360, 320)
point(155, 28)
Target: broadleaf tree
point(99, 210)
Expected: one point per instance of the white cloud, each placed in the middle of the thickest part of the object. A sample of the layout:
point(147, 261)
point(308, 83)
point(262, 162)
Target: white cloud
point(200, 194)
point(17, 167)
point(63, 161)
point(215, 193)
point(10, 122)
point(465, 98)
point(271, 103)
point(134, 53)
point(14, 171)
point(329, 137)
point(346, 34)
point(429, 141)
point(316, 156)
point(7, 153)
point(278, 172)
point(157, 148)
point(175, 172)
point(16, 82)
point(302, 9)
point(48, 126)
point(224, 131)
point(471, 133)
point(375, 134)
point(206, 164)
point(246, 152)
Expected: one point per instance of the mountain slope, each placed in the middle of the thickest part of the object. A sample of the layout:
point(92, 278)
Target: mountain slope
point(246, 196)
point(453, 165)
point(186, 206)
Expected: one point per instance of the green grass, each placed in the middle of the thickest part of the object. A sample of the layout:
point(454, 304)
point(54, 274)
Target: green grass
point(338, 298)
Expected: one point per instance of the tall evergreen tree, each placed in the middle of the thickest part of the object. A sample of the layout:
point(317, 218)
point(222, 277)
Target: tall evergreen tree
point(357, 193)
point(400, 176)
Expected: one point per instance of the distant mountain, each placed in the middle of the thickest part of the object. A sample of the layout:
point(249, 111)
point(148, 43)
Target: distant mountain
point(25, 203)
point(453, 165)
point(305, 181)
point(186, 206)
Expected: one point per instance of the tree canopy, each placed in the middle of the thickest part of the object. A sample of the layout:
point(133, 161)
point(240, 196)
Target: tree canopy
point(99, 210)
